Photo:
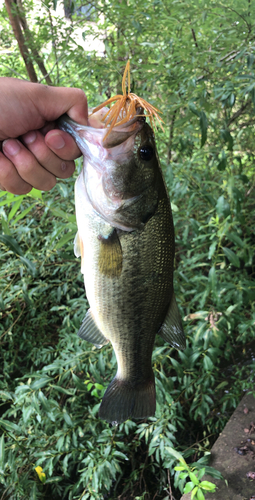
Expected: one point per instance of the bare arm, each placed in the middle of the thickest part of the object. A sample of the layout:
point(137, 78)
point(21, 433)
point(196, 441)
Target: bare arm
point(34, 153)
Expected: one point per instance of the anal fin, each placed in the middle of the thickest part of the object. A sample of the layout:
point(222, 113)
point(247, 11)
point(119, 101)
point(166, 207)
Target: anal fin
point(89, 331)
point(171, 330)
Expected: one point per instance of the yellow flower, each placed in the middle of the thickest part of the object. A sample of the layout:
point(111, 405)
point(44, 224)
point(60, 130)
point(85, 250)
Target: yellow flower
point(41, 474)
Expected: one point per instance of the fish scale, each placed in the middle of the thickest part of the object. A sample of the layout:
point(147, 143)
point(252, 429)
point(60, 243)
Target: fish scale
point(126, 242)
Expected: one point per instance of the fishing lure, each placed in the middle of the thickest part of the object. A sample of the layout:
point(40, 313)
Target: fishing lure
point(126, 105)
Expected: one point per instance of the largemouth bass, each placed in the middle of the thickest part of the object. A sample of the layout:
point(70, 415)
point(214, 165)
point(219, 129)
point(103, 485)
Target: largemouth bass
point(126, 242)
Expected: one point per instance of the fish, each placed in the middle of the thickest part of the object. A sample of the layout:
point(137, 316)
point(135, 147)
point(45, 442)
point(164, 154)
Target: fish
point(126, 243)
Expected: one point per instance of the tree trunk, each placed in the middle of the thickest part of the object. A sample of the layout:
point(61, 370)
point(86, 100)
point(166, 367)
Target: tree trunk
point(29, 41)
point(14, 20)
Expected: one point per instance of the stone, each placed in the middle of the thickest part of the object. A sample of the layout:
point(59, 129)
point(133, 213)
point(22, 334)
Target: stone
point(233, 454)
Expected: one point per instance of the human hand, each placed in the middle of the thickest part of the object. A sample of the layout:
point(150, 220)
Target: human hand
point(41, 153)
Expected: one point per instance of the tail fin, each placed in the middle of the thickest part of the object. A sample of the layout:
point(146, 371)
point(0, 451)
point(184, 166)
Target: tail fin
point(124, 400)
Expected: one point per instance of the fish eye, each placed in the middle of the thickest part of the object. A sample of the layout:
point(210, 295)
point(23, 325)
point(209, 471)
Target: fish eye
point(146, 153)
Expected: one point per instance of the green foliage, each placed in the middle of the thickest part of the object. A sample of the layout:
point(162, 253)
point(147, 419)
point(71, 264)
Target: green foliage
point(195, 62)
point(195, 486)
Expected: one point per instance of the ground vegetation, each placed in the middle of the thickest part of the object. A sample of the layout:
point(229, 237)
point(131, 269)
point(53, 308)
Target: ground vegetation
point(195, 61)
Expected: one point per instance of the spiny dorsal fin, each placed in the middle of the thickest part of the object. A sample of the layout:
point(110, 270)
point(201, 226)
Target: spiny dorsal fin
point(171, 330)
point(89, 331)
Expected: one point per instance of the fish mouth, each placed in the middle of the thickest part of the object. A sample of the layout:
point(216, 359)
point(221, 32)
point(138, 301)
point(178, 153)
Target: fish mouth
point(98, 135)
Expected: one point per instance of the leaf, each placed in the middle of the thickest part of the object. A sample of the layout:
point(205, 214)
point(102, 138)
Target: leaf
point(227, 137)
point(188, 487)
point(232, 99)
point(95, 481)
point(175, 454)
point(5, 396)
point(203, 127)
point(5, 226)
point(30, 266)
point(10, 198)
point(63, 215)
point(54, 479)
point(221, 385)
point(222, 206)
point(35, 193)
point(235, 239)
point(14, 246)
point(213, 277)
point(67, 237)
point(193, 478)
point(223, 161)
point(38, 384)
point(22, 214)
point(193, 493)
point(9, 426)
point(208, 486)
point(201, 473)
point(2, 452)
point(10, 242)
point(208, 364)
point(119, 454)
point(194, 109)
point(200, 494)
point(68, 419)
point(14, 209)
point(212, 249)
point(62, 389)
point(232, 257)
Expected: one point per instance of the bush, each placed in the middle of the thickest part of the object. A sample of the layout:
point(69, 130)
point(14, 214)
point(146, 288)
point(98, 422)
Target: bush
point(52, 442)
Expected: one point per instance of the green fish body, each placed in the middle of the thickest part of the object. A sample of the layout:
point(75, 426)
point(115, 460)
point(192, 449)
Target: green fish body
point(126, 242)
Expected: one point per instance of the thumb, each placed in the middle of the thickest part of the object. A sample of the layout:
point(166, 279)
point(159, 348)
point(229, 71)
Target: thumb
point(52, 102)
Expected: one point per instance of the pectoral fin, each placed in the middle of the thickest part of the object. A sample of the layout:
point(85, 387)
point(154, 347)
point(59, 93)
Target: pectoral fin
point(79, 250)
point(89, 331)
point(110, 255)
point(77, 245)
point(171, 330)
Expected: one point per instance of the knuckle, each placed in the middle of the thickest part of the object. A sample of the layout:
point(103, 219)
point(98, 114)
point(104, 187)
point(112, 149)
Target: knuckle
point(81, 95)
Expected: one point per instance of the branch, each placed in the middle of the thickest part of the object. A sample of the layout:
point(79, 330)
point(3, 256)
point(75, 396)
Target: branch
point(54, 43)
point(14, 20)
point(240, 111)
point(194, 37)
point(171, 134)
point(230, 55)
point(13, 71)
point(243, 125)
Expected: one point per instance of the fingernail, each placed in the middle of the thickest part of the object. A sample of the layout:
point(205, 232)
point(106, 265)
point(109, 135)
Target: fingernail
point(56, 141)
point(63, 166)
point(11, 147)
point(30, 137)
